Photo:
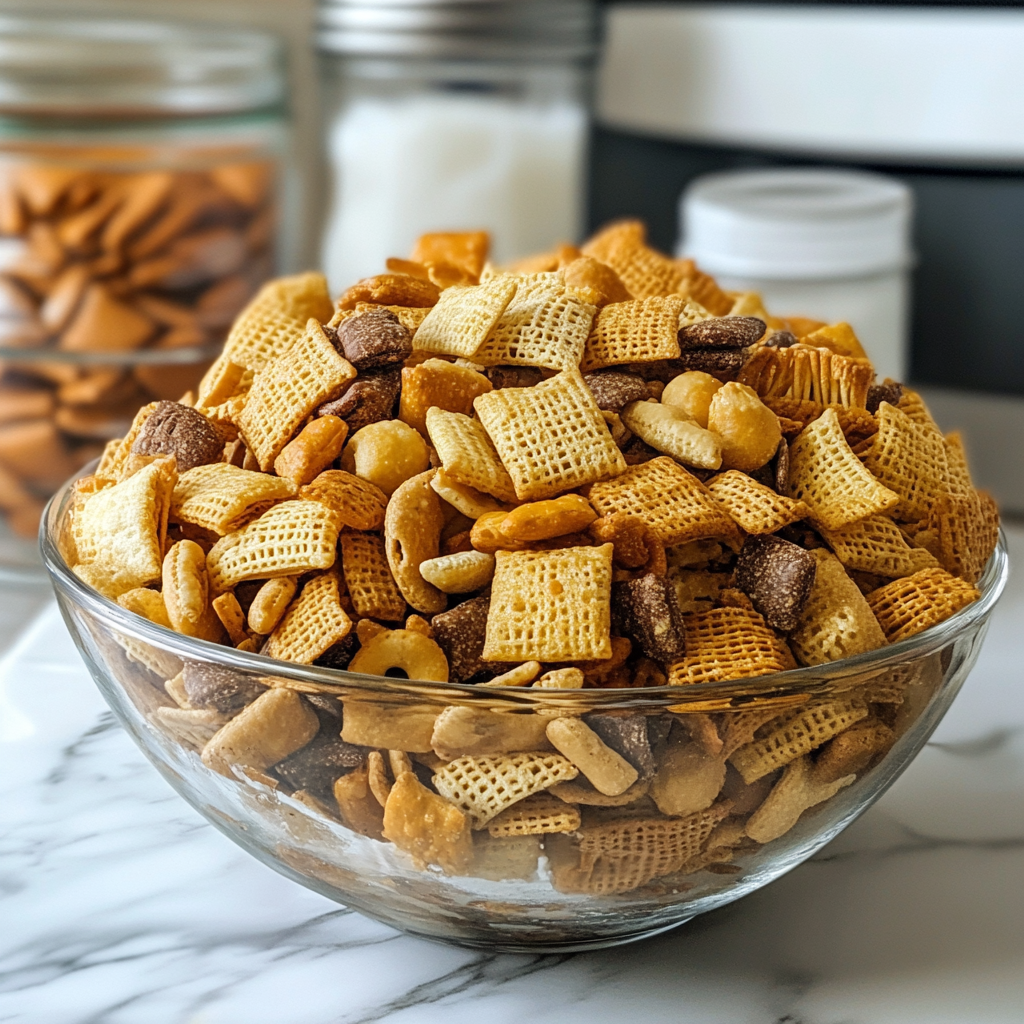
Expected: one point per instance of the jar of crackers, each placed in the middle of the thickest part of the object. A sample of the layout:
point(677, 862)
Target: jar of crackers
point(442, 114)
point(140, 171)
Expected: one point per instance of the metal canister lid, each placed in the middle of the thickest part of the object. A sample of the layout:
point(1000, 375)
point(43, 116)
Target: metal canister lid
point(110, 67)
point(521, 30)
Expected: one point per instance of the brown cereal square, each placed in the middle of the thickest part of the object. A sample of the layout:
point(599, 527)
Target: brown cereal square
point(908, 606)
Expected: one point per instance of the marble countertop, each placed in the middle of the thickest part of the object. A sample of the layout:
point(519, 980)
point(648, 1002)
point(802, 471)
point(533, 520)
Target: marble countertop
point(119, 904)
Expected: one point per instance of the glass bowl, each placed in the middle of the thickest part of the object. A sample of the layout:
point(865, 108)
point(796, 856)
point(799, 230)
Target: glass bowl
point(625, 873)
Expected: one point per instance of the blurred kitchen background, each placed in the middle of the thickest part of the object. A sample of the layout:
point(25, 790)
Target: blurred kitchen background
point(928, 94)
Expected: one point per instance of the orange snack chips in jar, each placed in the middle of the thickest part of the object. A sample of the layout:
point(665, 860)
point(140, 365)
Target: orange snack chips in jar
point(140, 165)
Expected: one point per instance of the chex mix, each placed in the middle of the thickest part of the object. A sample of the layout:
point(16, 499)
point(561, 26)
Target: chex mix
point(593, 469)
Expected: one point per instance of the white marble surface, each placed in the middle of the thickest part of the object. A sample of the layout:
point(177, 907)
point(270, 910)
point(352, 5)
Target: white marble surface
point(118, 904)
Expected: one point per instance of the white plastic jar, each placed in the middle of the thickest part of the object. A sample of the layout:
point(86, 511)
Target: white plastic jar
point(828, 244)
point(449, 115)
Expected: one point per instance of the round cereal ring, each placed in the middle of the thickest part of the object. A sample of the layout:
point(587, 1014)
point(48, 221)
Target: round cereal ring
point(412, 533)
point(402, 650)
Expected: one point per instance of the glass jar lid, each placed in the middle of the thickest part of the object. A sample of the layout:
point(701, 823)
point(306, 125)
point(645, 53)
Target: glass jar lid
point(521, 30)
point(108, 67)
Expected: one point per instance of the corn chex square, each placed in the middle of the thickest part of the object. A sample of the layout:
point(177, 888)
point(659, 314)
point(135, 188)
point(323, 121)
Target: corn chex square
point(754, 507)
point(551, 437)
point(313, 622)
point(876, 545)
point(371, 587)
point(118, 532)
point(643, 270)
point(550, 605)
point(463, 317)
point(291, 538)
point(287, 390)
point(360, 504)
point(908, 606)
point(673, 502)
point(221, 497)
point(542, 326)
point(830, 480)
point(910, 459)
point(275, 319)
point(638, 331)
point(467, 455)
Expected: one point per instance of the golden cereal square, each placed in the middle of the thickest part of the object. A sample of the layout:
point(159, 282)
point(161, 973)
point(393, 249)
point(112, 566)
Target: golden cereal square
point(467, 455)
point(359, 503)
point(638, 331)
point(542, 326)
point(830, 480)
point(288, 539)
point(909, 606)
point(313, 622)
point(876, 545)
point(285, 391)
point(275, 319)
point(550, 605)
point(118, 532)
point(463, 317)
point(754, 507)
point(551, 437)
point(725, 643)
point(643, 270)
point(910, 459)
point(371, 587)
point(672, 501)
point(220, 497)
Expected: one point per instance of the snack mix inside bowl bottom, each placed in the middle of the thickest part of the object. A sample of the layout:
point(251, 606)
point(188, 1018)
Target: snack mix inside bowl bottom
point(537, 608)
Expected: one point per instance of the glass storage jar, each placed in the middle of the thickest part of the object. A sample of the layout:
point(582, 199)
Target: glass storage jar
point(141, 170)
point(451, 115)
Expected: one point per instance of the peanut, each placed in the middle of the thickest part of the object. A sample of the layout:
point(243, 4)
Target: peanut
point(691, 394)
point(749, 430)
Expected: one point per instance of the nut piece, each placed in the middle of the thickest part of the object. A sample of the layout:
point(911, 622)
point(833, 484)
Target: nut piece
point(369, 399)
point(749, 430)
point(270, 604)
point(721, 332)
point(387, 454)
point(267, 731)
point(668, 430)
point(613, 391)
point(412, 535)
point(175, 429)
point(691, 393)
point(459, 731)
point(373, 339)
point(609, 773)
point(648, 611)
point(460, 573)
point(317, 445)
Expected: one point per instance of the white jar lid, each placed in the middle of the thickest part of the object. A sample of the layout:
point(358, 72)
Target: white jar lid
point(805, 224)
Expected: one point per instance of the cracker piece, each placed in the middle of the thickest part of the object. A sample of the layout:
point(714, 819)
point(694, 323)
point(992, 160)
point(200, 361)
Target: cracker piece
point(536, 815)
point(908, 606)
point(541, 326)
point(673, 502)
point(793, 794)
point(467, 454)
point(468, 500)
point(276, 318)
point(837, 621)
point(668, 430)
point(466, 250)
point(833, 483)
point(190, 726)
point(909, 459)
point(288, 539)
point(368, 579)
point(958, 475)
point(359, 809)
point(273, 726)
point(550, 605)
point(426, 826)
point(463, 318)
point(114, 464)
point(551, 437)
point(876, 545)
point(119, 531)
point(360, 505)
point(725, 643)
point(582, 792)
point(286, 390)
point(755, 508)
point(482, 787)
point(794, 734)
point(461, 730)
point(388, 726)
point(436, 382)
point(638, 331)
point(313, 622)
point(619, 856)
point(222, 498)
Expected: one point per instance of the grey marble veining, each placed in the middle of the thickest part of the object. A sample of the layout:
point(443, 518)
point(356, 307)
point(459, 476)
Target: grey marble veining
point(119, 904)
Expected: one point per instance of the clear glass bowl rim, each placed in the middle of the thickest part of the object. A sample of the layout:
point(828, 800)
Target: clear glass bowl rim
point(795, 684)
